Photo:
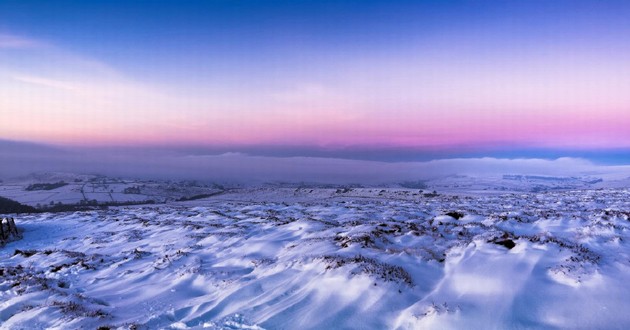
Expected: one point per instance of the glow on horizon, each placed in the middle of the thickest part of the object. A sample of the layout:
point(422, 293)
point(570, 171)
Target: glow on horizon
point(458, 87)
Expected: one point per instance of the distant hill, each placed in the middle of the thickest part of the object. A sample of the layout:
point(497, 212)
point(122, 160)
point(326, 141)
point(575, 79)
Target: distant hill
point(11, 206)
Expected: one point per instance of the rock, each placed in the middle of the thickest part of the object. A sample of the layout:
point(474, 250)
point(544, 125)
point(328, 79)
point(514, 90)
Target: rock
point(456, 215)
point(508, 243)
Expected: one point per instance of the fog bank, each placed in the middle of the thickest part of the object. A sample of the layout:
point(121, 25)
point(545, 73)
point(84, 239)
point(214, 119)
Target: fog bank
point(20, 159)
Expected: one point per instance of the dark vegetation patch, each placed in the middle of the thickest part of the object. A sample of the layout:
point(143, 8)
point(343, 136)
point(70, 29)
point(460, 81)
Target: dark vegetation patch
point(364, 239)
point(139, 254)
point(264, 262)
point(71, 308)
point(90, 206)
point(45, 186)
point(200, 196)
point(25, 253)
point(10, 206)
point(132, 190)
point(583, 254)
point(616, 214)
point(369, 266)
point(24, 280)
point(431, 194)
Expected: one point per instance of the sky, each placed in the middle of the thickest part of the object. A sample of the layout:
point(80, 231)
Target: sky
point(385, 80)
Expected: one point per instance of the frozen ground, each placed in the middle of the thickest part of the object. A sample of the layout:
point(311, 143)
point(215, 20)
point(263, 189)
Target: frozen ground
point(97, 188)
point(305, 258)
point(101, 190)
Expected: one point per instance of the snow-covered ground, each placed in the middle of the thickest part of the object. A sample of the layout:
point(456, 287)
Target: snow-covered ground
point(85, 188)
point(302, 258)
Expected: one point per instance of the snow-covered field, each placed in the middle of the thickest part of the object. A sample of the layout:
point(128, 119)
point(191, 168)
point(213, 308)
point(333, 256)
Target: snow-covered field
point(100, 189)
point(327, 259)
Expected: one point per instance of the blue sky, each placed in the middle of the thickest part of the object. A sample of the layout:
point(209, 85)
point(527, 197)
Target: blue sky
point(408, 77)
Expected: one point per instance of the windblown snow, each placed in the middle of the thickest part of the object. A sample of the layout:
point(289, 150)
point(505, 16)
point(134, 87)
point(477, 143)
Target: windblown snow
point(324, 259)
